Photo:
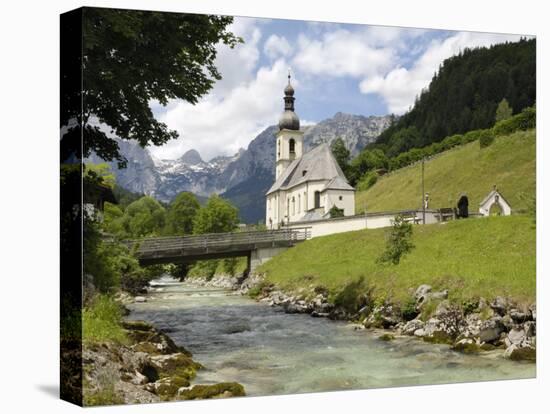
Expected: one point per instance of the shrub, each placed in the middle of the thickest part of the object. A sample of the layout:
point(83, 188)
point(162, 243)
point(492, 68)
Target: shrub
point(408, 310)
point(486, 138)
point(230, 266)
point(451, 142)
point(101, 321)
point(526, 119)
point(367, 181)
point(261, 287)
point(399, 241)
point(336, 212)
point(470, 306)
point(353, 296)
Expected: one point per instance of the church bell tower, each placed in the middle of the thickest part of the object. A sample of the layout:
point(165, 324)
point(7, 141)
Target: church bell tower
point(289, 138)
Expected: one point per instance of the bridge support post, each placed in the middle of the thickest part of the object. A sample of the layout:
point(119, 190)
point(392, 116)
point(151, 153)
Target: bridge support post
point(259, 256)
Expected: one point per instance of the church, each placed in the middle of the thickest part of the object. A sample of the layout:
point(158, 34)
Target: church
point(307, 186)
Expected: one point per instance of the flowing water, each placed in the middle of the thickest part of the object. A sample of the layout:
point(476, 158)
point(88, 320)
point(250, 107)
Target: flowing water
point(271, 352)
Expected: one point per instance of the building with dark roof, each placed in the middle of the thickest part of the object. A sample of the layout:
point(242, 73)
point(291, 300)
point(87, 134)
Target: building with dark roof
point(307, 186)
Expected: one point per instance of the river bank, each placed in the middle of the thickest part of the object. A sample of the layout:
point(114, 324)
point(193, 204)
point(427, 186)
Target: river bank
point(472, 327)
point(272, 352)
point(146, 367)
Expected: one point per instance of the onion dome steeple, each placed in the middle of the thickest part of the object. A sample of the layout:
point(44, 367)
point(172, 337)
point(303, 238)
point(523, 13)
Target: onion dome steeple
point(289, 119)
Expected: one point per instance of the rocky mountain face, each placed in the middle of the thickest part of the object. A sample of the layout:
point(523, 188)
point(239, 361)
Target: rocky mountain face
point(191, 173)
point(243, 178)
point(357, 131)
point(140, 175)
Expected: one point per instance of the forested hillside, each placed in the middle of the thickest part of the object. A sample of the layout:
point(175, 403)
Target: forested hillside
point(464, 95)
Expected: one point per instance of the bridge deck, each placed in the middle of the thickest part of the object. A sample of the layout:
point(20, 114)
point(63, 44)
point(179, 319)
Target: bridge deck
point(213, 245)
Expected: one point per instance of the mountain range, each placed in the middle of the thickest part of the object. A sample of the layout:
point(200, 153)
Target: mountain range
point(242, 178)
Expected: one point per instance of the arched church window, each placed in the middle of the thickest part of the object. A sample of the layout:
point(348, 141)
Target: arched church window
point(317, 199)
point(293, 206)
point(299, 202)
point(291, 146)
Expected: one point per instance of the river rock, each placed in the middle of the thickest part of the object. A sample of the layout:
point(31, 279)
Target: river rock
point(119, 367)
point(472, 326)
point(466, 345)
point(529, 328)
point(500, 305)
point(421, 293)
point(491, 329)
point(384, 316)
point(515, 337)
point(412, 326)
point(533, 310)
point(338, 314)
point(518, 316)
point(517, 353)
point(420, 333)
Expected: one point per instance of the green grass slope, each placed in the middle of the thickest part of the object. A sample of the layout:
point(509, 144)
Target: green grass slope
point(474, 257)
point(509, 163)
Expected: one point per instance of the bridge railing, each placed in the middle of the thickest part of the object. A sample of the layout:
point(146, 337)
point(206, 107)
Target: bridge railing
point(220, 239)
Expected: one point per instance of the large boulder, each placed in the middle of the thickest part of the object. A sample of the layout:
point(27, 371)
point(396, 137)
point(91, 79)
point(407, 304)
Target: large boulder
point(466, 345)
point(519, 316)
point(150, 340)
point(422, 293)
point(500, 305)
point(491, 329)
point(412, 326)
point(517, 353)
point(515, 337)
point(221, 390)
point(384, 316)
point(447, 322)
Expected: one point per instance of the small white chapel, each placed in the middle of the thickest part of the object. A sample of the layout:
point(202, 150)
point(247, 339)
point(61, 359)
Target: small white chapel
point(307, 186)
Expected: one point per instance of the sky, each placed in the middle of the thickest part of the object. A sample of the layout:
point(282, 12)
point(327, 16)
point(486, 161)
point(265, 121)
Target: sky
point(357, 69)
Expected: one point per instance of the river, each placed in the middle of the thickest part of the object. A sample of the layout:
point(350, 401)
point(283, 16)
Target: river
point(271, 352)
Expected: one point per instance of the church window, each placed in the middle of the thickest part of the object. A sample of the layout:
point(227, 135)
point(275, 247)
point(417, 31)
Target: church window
point(317, 199)
point(293, 206)
point(299, 202)
point(278, 148)
point(340, 198)
point(291, 145)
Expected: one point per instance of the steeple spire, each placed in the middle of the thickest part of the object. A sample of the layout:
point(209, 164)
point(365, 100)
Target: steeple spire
point(289, 95)
point(289, 120)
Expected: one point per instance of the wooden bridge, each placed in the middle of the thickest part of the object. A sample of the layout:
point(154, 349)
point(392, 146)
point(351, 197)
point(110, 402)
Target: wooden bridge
point(258, 246)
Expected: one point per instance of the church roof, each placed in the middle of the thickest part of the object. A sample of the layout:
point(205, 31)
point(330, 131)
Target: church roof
point(315, 165)
point(491, 195)
point(338, 183)
point(312, 215)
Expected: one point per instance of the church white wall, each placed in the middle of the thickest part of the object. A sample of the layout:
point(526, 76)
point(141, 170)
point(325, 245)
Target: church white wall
point(347, 202)
point(370, 221)
point(280, 204)
point(485, 208)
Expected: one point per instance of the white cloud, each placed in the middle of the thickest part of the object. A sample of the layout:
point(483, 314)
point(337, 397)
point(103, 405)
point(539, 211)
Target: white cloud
point(400, 86)
point(238, 65)
point(342, 53)
point(277, 46)
point(221, 125)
